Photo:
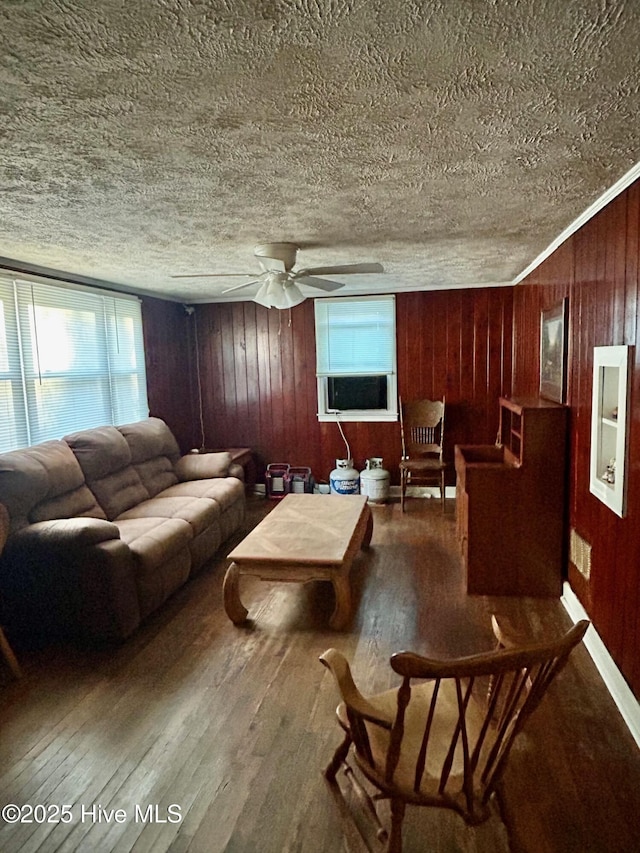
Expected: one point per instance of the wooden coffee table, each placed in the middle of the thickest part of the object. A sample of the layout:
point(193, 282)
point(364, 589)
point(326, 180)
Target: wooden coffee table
point(304, 538)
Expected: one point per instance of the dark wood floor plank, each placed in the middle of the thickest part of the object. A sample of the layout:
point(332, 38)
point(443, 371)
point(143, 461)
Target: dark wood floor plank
point(235, 724)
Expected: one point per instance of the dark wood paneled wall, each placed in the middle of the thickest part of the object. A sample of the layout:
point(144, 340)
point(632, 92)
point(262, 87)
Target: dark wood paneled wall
point(168, 343)
point(597, 270)
point(257, 373)
point(258, 387)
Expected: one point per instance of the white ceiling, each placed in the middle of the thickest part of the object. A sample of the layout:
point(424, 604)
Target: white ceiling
point(449, 140)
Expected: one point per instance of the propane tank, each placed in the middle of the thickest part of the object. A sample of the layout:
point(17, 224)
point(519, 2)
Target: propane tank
point(344, 479)
point(375, 481)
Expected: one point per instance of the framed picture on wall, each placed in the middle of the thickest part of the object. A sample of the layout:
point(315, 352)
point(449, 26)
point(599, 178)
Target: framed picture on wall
point(553, 352)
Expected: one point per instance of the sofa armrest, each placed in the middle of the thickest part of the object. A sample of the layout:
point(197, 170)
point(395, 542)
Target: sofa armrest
point(203, 466)
point(5, 526)
point(66, 532)
point(69, 577)
point(236, 471)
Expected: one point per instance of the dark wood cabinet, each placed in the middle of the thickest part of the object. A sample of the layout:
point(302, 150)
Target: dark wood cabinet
point(510, 502)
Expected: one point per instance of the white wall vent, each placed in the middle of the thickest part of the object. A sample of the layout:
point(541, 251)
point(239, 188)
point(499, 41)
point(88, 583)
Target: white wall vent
point(580, 554)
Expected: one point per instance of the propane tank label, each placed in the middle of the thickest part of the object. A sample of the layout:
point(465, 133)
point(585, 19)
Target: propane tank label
point(345, 487)
point(377, 491)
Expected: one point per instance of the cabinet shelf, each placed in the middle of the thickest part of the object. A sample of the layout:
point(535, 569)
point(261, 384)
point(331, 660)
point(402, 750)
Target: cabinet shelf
point(607, 478)
point(510, 502)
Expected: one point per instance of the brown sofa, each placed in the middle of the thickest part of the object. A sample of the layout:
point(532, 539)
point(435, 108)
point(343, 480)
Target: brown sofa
point(105, 525)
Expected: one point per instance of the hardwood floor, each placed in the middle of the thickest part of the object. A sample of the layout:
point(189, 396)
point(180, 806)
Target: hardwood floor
point(233, 726)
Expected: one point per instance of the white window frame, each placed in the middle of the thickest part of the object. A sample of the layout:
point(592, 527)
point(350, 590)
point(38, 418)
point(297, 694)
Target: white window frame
point(327, 415)
point(39, 367)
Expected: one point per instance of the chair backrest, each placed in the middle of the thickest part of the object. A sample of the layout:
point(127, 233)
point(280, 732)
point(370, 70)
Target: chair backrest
point(422, 427)
point(446, 742)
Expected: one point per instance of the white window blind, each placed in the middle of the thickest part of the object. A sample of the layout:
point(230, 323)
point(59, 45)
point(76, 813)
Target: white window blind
point(13, 414)
point(70, 359)
point(355, 337)
point(356, 358)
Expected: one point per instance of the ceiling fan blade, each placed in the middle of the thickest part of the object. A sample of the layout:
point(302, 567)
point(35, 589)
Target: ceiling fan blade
point(272, 264)
point(212, 274)
point(345, 269)
point(244, 284)
point(320, 283)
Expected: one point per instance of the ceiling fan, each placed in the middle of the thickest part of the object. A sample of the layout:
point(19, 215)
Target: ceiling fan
point(279, 281)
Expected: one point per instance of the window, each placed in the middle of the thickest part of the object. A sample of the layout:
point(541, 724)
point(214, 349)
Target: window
point(70, 359)
point(356, 358)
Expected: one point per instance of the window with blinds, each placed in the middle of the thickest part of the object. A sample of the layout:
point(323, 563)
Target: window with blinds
point(356, 358)
point(70, 359)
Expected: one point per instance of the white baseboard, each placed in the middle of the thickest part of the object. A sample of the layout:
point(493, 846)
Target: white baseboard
point(259, 489)
point(423, 492)
point(620, 691)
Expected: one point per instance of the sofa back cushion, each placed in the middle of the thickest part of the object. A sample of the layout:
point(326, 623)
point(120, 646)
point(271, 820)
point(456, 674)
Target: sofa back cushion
point(44, 482)
point(154, 452)
point(105, 459)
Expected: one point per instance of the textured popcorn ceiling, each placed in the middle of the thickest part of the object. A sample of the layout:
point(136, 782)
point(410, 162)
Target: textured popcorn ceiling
point(451, 141)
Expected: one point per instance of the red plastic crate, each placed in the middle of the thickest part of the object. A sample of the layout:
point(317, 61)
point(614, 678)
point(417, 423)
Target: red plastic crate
point(299, 480)
point(276, 480)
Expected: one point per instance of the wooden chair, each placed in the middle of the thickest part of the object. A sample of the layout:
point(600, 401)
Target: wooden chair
point(5, 649)
point(443, 741)
point(422, 434)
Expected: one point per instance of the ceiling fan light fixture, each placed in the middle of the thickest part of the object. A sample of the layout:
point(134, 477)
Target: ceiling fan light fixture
point(278, 279)
point(283, 254)
point(293, 295)
point(276, 293)
point(262, 297)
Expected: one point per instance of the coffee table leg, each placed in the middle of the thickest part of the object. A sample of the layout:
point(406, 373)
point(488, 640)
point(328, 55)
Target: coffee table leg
point(235, 609)
point(368, 533)
point(342, 611)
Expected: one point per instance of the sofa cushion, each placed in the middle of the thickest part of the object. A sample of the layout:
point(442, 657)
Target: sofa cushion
point(201, 513)
point(161, 557)
point(154, 541)
point(148, 438)
point(223, 490)
point(80, 502)
point(100, 451)
point(24, 482)
point(105, 459)
point(156, 474)
point(43, 482)
point(154, 451)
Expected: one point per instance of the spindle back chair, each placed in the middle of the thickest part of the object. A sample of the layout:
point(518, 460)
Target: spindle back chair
point(442, 738)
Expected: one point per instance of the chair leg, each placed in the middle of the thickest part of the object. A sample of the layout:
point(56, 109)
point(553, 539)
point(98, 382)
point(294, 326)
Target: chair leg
point(442, 490)
point(364, 798)
point(8, 655)
point(403, 487)
point(338, 758)
point(397, 816)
